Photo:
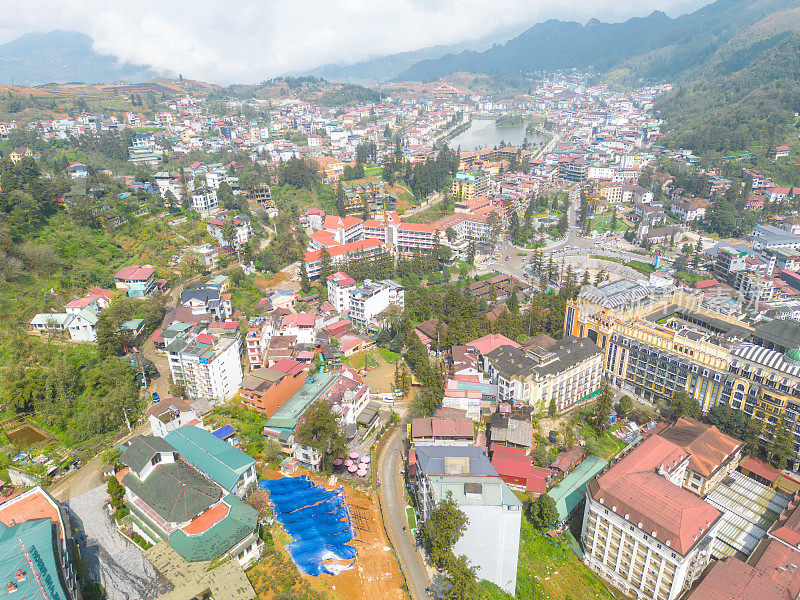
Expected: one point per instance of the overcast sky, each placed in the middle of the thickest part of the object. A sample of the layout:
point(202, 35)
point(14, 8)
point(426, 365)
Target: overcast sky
point(229, 41)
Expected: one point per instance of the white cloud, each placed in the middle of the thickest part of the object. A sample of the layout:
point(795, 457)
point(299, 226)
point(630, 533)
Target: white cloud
point(251, 40)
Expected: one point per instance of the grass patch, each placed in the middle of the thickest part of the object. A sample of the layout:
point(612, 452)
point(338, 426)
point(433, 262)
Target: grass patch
point(412, 519)
point(388, 355)
point(610, 444)
point(610, 258)
point(603, 224)
point(689, 278)
point(539, 559)
point(643, 267)
point(363, 360)
point(373, 171)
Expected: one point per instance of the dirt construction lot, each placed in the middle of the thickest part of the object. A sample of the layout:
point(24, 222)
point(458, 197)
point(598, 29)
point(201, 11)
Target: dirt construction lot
point(376, 575)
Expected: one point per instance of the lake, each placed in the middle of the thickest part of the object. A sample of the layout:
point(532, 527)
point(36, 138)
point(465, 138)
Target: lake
point(483, 133)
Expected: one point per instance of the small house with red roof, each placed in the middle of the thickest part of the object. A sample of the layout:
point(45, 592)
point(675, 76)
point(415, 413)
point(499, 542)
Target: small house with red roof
point(136, 280)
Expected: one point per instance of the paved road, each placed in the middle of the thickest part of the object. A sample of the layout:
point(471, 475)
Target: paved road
point(80, 481)
point(392, 497)
point(111, 560)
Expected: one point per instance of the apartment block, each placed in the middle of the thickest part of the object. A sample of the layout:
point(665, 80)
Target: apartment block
point(207, 365)
point(371, 299)
point(568, 372)
point(339, 287)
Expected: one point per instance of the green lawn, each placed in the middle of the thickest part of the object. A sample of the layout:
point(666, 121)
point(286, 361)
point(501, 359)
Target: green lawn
point(603, 224)
point(549, 569)
point(610, 444)
point(412, 519)
point(643, 267)
point(603, 257)
point(372, 171)
point(388, 355)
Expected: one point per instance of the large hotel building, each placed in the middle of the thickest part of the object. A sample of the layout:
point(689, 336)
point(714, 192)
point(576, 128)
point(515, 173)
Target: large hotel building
point(656, 344)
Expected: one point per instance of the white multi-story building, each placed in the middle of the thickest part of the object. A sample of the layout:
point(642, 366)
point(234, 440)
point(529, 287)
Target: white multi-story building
point(494, 513)
point(208, 366)
point(259, 332)
point(371, 299)
point(415, 236)
point(568, 372)
point(340, 254)
point(339, 287)
point(168, 414)
point(242, 230)
point(204, 200)
point(642, 532)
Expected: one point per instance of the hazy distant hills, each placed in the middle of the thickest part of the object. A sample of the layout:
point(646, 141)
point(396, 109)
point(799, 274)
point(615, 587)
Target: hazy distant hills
point(656, 46)
point(61, 57)
point(384, 68)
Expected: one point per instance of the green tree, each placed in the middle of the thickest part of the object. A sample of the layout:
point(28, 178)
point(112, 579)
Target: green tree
point(320, 429)
point(542, 512)
point(542, 457)
point(228, 232)
point(305, 284)
point(116, 492)
point(552, 410)
point(780, 449)
point(471, 253)
point(444, 526)
point(461, 578)
point(325, 266)
point(683, 405)
point(602, 410)
point(625, 405)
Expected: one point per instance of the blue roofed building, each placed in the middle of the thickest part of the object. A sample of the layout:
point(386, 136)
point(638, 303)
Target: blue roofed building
point(226, 465)
point(36, 549)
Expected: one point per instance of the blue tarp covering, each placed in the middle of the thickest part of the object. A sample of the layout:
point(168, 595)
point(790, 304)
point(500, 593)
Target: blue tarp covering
point(317, 519)
point(224, 432)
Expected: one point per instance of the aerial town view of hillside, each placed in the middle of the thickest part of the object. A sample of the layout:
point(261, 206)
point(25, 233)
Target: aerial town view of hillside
point(400, 301)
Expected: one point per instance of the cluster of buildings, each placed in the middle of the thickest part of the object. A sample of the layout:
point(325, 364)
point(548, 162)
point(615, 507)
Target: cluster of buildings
point(655, 342)
point(186, 489)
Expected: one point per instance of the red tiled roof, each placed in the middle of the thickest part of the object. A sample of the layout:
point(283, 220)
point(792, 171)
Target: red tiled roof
point(487, 343)
point(341, 278)
point(668, 512)
point(356, 246)
point(207, 520)
point(708, 446)
point(732, 579)
point(135, 273)
point(288, 365)
point(421, 227)
point(761, 469)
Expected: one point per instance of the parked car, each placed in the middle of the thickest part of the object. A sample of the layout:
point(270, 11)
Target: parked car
point(156, 398)
point(552, 436)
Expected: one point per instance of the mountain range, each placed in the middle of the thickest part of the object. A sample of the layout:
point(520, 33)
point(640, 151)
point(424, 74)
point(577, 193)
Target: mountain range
point(63, 57)
point(381, 69)
point(656, 46)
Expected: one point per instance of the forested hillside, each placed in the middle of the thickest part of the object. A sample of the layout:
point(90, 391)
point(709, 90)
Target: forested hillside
point(745, 99)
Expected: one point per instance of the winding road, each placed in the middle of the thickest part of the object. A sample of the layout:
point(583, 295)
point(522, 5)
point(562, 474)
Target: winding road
point(392, 498)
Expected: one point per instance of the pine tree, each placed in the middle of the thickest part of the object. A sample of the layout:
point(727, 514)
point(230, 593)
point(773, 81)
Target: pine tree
point(325, 265)
point(305, 284)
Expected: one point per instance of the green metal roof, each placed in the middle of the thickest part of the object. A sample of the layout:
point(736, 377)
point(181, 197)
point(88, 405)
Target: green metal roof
point(37, 538)
point(175, 491)
point(142, 449)
point(288, 414)
point(216, 458)
point(240, 522)
point(571, 490)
